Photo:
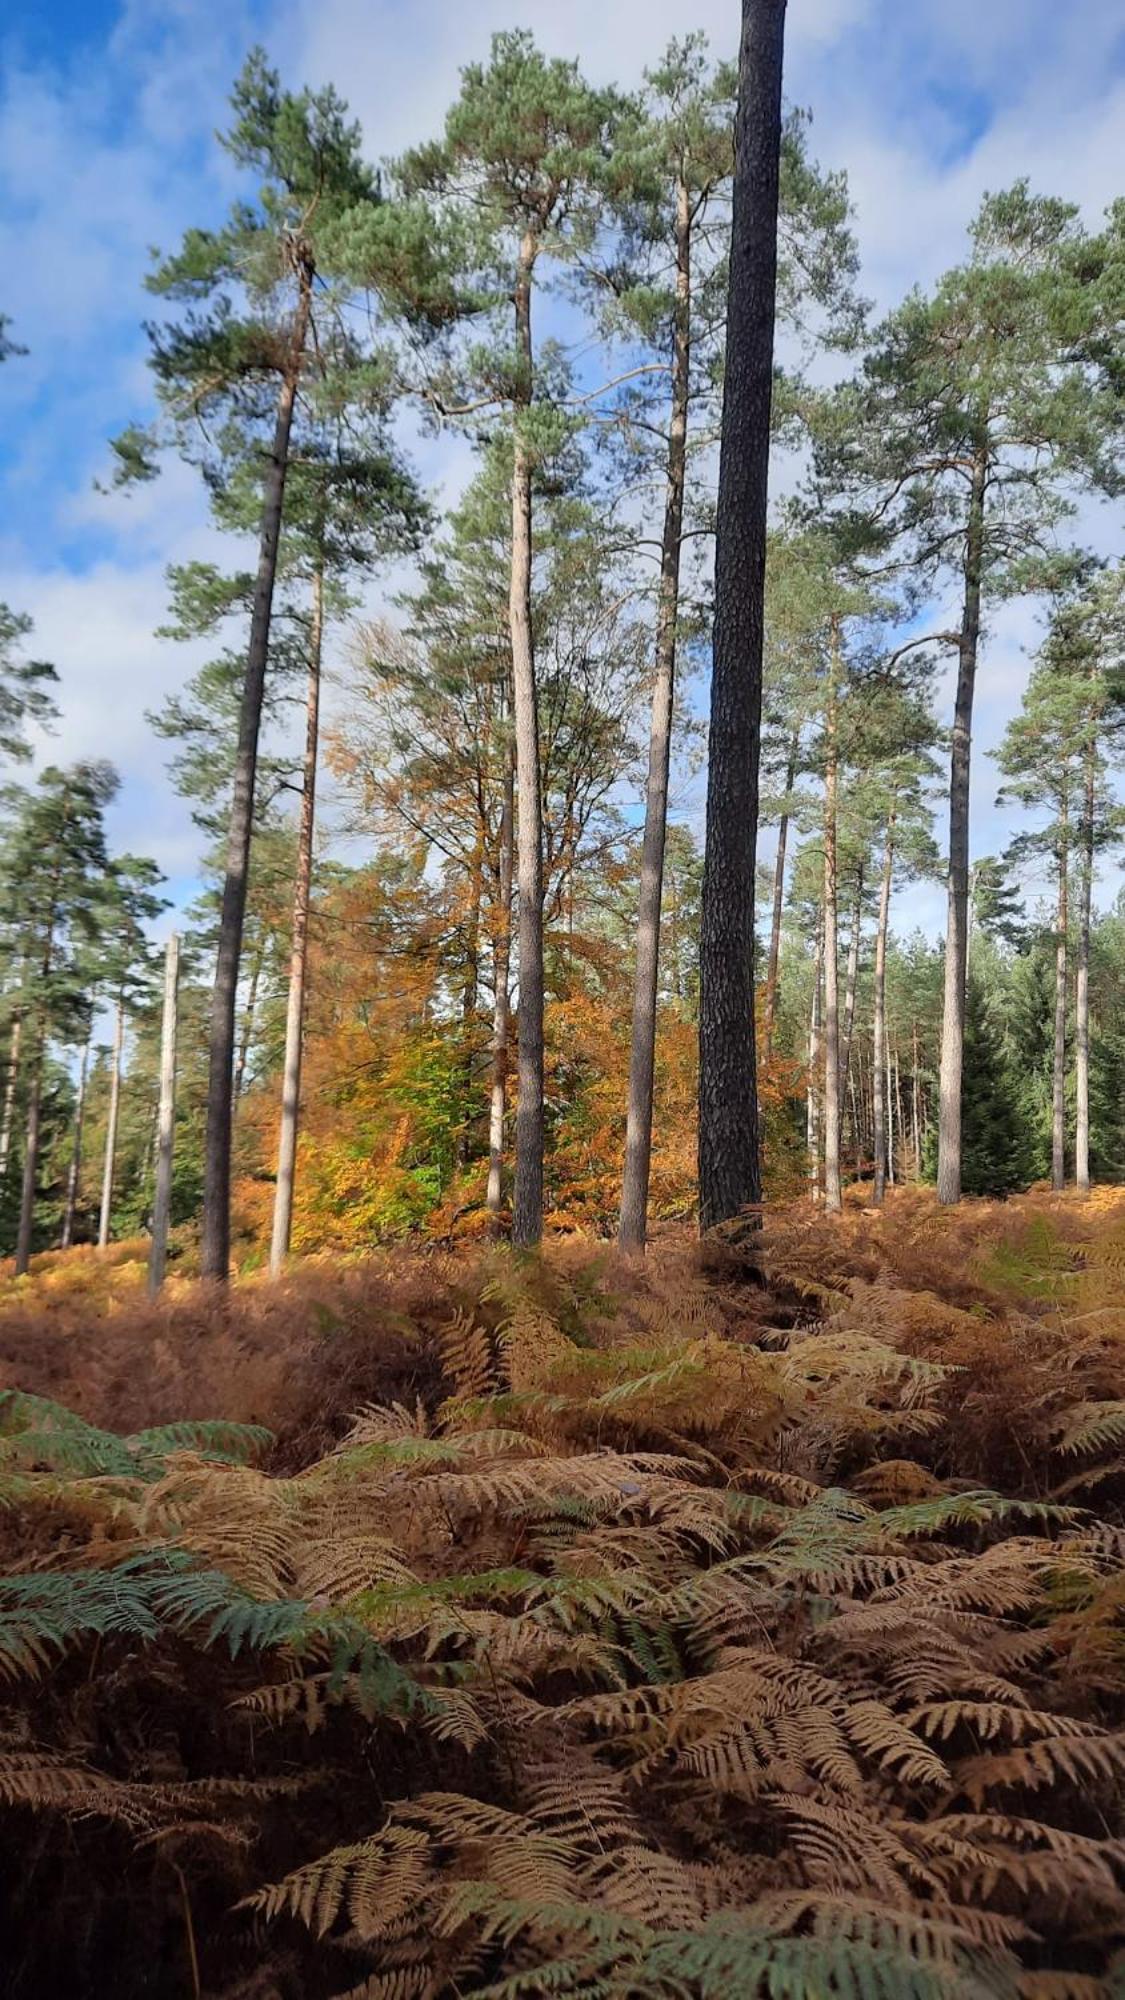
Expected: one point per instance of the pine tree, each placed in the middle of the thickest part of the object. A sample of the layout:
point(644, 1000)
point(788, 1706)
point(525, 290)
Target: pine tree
point(244, 356)
point(729, 1161)
point(25, 686)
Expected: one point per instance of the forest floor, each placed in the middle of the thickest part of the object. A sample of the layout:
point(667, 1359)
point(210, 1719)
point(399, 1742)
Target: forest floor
point(442, 1625)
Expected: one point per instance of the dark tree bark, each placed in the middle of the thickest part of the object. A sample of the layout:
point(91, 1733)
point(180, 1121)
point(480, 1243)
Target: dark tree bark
point(730, 1178)
point(638, 1126)
point(957, 930)
point(527, 1201)
point(215, 1242)
point(299, 953)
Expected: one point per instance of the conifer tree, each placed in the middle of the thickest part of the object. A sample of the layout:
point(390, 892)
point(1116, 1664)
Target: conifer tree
point(127, 903)
point(729, 1160)
point(243, 354)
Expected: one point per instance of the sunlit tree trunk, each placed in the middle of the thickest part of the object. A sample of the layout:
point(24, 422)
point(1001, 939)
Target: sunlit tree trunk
point(501, 1002)
point(299, 954)
point(956, 943)
point(1082, 985)
point(642, 1057)
point(832, 1197)
point(1058, 1080)
point(166, 1120)
point(769, 1009)
point(814, 1069)
point(66, 1234)
point(10, 1081)
point(105, 1214)
point(878, 1042)
point(527, 1201)
point(215, 1240)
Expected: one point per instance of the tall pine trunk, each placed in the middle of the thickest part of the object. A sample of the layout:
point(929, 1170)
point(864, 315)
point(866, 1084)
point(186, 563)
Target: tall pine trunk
point(769, 1006)
point(501, 998)
point(879, 1034)
point(249, 1016)
point(851, 980)
point(1058, 1078)
point(957, 941)
point(812, 1095)
point(106, 1212)
point(215, 1243)
point(165, 1120)
point(299, 954)
point(638, 1124)
point(66, 1234)
point(26, 1226)
point(832, 1197)
point(527, 1200)
point(10, 1081)
point(730, 1175)
point(1082, 982)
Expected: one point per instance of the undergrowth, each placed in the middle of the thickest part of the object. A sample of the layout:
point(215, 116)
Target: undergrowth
point(695, 1632)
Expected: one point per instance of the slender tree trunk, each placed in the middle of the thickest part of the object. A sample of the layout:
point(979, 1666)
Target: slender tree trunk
point(10, 1082)
point(66, 1234)
point(501, 1002)
point(30, 1160)
point(891, 1173)
point(956, 943)
point(916, 1114)
point(850, 983)
point(1082, 985)
point(812, 1115)
point(642, 1057)
point(527, 1200)
point(730, 1176)
point(879, 1035)
point(109, 1162)
point(1058, 1080)
point(299, 953)
point(249, 1015)
point(215, 1244)
point(769, 1009)
point(166, 1120)
point(832, 1197)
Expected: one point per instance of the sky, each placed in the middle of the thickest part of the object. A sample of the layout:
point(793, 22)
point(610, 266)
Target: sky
point(107, 117)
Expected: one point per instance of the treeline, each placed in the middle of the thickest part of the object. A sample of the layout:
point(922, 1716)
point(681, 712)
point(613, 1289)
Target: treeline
point(493, 1019)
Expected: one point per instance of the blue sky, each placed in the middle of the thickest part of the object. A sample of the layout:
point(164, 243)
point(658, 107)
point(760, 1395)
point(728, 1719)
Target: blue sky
point(106, 120)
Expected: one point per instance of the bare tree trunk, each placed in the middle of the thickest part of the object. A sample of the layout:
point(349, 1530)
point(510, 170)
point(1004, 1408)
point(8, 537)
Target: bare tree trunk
point(30, 1162)
point(891, 1173)
point(769, 1010)
point(109, 1162)
point(812, 1114)
point(730, 1175)
point(166, 1120)
point(10, 1082)
point(850, 982)
point(501, 1001)
point(299, 953)
point(66, 1234)
point(956, 943)
point(642, 1056)
point(1058, 1080)
point(917, 1122)
point(215, 1243)
point(1082, 986)
point(249, 1015)
point(878, 1040)
point(832, 1198)
point(527, 1200)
